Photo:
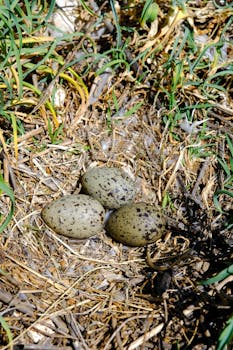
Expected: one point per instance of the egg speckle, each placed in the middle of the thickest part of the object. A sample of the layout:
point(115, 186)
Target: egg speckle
point(110, 186)
point(78, 216)
point(136, 225)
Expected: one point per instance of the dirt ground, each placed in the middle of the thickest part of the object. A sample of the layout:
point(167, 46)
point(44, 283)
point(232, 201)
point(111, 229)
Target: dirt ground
point(59, 293)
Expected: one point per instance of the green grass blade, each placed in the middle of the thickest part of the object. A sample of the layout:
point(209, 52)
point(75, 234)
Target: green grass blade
point(51, 9)
point(133, 109)
point(224, 165)
point(199, 58)
point(149, 12)
point(230, 144)
point(226, 335)
point(5, 326)
point(110, 64)
point(84, 5)
point(219, 277)
point(216, 202)
point(116, 20)
point(8, 191)
point(49, 51)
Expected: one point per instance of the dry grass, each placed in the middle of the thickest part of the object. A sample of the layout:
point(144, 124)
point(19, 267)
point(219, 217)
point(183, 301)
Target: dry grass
point(58, 293)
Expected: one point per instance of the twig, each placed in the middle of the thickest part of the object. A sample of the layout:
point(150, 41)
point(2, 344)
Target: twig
point(152, 333)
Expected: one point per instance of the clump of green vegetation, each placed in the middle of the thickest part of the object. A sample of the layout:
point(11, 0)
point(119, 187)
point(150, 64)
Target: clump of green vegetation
point(27, 50)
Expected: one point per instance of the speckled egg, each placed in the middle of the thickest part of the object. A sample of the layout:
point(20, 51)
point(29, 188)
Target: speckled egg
point(136, 225)
point(110, 186)
point(77, 216)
